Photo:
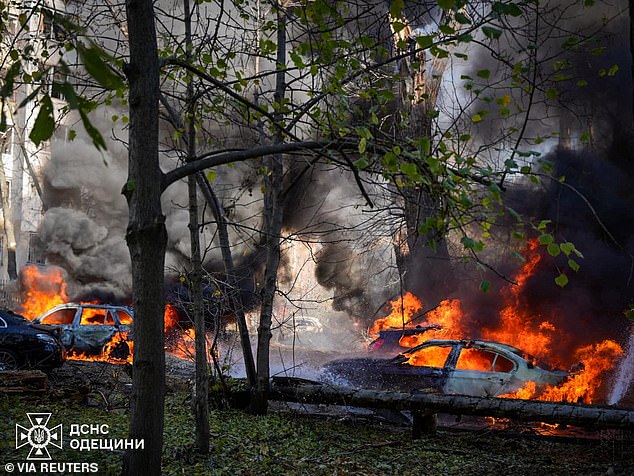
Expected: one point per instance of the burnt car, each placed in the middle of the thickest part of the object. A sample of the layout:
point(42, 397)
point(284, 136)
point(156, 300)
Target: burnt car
point(390, 341)
point(464, 367)
point(89, 328)
point(23, 345)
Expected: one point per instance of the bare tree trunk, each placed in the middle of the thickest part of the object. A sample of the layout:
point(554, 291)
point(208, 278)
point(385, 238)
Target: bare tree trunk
point(227, 259)
point(273, 216)
point(201, 391)
point(147, 240)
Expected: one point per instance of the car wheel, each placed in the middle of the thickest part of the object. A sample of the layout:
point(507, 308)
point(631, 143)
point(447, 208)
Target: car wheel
point(8, 360)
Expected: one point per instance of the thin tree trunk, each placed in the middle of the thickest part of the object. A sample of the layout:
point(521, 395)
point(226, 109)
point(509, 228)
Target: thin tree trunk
point(227, 259)
point(201, 391)
point(273, 217)
point(147, 240)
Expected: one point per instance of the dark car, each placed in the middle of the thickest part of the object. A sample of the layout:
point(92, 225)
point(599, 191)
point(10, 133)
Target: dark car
point(23, 345)
point(465, 367)
point(89, 328)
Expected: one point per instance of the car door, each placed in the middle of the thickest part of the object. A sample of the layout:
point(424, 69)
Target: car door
point(93, 328)
point(480, 372)
point(423, 369)
point(123, 319)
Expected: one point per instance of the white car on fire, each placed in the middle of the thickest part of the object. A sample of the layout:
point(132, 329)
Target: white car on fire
point(464, 367)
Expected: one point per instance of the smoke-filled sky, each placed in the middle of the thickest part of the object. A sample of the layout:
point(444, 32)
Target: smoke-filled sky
point(353, 259)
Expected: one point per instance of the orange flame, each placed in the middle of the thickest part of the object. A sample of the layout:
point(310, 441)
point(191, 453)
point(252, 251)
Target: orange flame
point(42, 289)
point(517, 326)
point(515, 319)
point(584, 383)
point(404, 309)
point(45, 287)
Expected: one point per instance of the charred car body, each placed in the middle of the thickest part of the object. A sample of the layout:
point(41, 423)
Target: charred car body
point(464, 367)
point(389, 341)
point(88, 328)
point(23, 345)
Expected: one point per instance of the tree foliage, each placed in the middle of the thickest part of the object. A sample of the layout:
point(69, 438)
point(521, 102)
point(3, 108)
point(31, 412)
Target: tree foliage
point(288, 85)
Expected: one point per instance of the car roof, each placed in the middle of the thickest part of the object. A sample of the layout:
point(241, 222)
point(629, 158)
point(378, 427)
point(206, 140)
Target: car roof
point(499, 346)
point(470, 342)
point(74, 305)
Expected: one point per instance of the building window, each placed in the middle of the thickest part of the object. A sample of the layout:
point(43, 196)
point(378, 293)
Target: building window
point(36, 249)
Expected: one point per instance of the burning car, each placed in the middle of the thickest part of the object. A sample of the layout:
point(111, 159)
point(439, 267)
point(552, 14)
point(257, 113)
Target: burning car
point(24, 345)
point(390, 341)
point(465, 367)
point(91, 329)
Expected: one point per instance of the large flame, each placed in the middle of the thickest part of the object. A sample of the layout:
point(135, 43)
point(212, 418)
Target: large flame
point(516, 326)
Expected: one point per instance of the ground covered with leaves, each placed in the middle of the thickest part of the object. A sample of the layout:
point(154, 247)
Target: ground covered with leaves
point(288, 443)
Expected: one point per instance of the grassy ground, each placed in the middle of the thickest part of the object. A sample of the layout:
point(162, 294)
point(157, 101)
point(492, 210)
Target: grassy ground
point(291, 444)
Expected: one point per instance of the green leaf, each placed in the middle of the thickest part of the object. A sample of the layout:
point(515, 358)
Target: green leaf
point(424, 41)
point(573, 265)
point(297, 60)
point(504, 100)
point(396, 8)
point(567, 248)
point(471, 244)
point(506, 9)
point(476, 118)
point(561, 280)
point(44, 122)
point(411, 171)
point(485, 286)
point(93, 133)
point(484, 73)
point(462, 18)
point(553, 249)
point(211, 175)
point(545, 239)
point(543, 224)
point(425, 145)
point(491, 33)
point(93, 60)
point(446, 4)
point(363, 143)
point(361, 163)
